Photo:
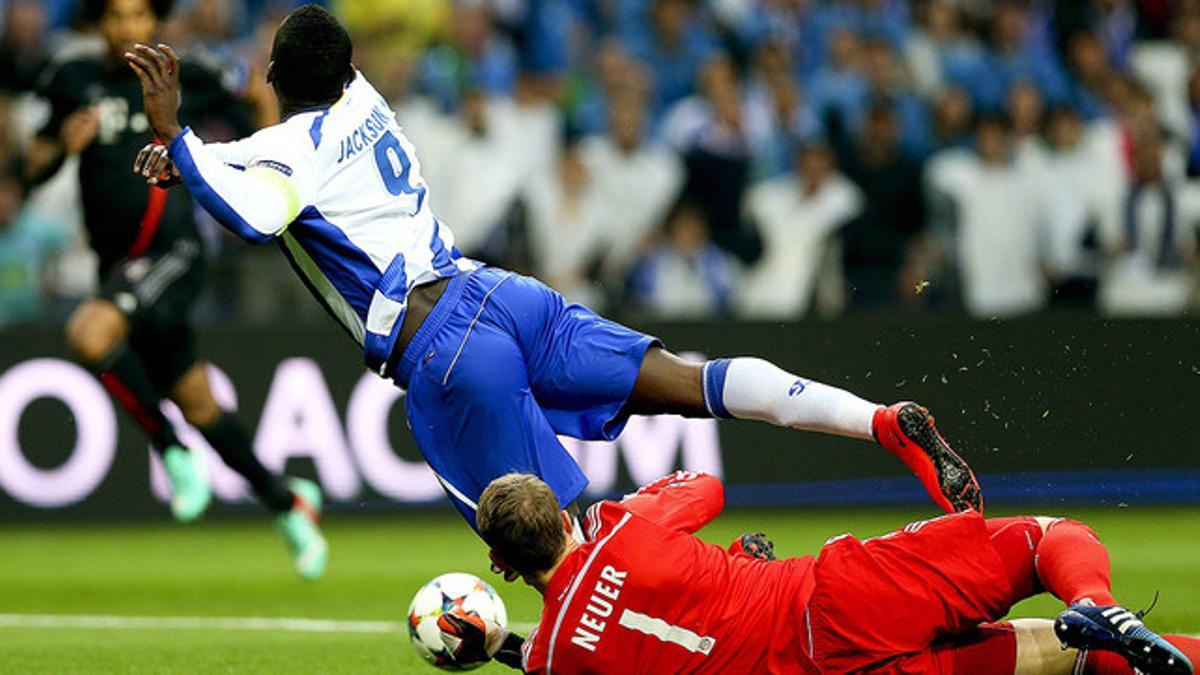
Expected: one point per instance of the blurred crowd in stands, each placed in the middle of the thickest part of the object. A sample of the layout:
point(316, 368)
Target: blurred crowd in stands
point(765, 159)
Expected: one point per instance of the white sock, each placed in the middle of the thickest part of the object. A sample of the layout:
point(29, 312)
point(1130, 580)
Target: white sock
point(751, 388)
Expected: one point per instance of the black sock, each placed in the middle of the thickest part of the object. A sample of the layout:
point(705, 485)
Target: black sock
point(122, 374)
point(229, 438)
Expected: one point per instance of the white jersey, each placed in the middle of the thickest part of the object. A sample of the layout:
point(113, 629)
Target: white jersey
point(341, 188)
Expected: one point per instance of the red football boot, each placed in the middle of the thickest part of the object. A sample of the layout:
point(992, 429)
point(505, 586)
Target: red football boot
point(907, 430)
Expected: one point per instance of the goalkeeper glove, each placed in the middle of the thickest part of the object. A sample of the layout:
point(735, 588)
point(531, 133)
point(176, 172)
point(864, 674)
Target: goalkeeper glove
point(470, 638)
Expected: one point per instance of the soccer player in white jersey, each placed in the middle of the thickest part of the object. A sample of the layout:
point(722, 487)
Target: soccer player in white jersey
point(496, 365)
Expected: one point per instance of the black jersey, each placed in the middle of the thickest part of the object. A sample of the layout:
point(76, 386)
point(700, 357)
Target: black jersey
point(123, 215)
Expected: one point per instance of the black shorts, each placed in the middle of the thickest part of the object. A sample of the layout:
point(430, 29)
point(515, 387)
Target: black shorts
point(156, 292)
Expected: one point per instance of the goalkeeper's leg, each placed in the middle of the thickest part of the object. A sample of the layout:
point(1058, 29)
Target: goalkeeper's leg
point(1030, 647)
point(1022, 647)
point(1065, 558)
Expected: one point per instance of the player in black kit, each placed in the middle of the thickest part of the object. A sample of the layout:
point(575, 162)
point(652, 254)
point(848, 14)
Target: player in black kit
point(136, 335)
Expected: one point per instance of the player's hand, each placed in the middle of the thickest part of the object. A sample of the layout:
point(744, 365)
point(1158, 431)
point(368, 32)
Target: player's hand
point(755, 545)
point(469, 638)
point(79, 130)
point(154, 164)
point(158, 70)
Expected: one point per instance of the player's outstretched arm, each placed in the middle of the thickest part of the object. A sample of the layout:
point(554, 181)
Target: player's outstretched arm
point(256, 204)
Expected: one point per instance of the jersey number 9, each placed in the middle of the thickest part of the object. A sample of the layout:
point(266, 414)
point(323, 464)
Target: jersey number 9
point(395, 167)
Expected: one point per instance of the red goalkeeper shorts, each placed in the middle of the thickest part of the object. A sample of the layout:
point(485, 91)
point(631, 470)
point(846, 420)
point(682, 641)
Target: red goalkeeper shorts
point(880, 605)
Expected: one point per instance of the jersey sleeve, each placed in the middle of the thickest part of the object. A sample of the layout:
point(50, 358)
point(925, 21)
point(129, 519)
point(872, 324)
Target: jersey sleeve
point(684, 501)
point(237, 154)
point(531, 660)
point(258, 201)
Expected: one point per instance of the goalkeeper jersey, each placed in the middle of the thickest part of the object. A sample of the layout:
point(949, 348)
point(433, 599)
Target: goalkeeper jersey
point(642, 595)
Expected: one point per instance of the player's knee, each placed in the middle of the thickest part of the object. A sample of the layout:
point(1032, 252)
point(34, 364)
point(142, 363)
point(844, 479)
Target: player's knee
point(195, 400)
point(94, 330)
point(200, 411)
point(1045, 522)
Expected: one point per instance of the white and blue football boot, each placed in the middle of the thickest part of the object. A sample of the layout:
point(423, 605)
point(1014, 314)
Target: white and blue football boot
point(1118, 630)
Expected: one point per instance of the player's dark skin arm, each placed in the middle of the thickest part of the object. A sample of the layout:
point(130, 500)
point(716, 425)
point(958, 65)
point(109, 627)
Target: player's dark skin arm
point(158, 70)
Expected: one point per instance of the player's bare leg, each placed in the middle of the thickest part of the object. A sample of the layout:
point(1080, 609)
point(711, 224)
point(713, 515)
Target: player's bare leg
point(752, 388)
point(297, 507)
point(95, 329)
point(1038, 650)
point(97, 334)
point(1028, 647)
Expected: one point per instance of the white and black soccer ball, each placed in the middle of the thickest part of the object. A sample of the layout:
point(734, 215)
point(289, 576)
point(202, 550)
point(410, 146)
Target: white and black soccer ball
point(441, 595)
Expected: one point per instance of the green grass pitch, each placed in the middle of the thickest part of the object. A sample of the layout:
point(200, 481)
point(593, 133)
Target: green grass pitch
point(239, 569)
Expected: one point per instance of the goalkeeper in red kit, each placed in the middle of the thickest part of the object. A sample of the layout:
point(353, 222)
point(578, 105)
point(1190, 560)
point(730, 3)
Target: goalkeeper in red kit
point(640, 594)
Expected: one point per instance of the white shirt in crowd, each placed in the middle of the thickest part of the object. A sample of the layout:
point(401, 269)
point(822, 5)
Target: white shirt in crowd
point(1164, 67)
point(474, 178)
point(796, 227)
point(566, 234)
point(1083, 185)
point(998, 209)
point(1136, 283)
point(637, 189)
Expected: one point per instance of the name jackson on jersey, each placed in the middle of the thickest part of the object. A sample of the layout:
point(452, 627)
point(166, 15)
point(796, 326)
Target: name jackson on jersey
point(364, 137)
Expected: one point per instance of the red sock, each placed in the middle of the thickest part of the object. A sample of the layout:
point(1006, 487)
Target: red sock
point(1107, 663)
point(1073, 564)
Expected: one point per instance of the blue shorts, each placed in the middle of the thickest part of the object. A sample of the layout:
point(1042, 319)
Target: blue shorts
point(503, 365)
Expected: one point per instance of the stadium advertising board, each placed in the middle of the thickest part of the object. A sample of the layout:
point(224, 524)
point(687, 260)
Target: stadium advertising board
point(1040, 407)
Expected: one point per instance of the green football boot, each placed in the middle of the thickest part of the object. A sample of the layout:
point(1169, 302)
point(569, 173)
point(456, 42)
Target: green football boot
point(298, 525)
point(190, 492)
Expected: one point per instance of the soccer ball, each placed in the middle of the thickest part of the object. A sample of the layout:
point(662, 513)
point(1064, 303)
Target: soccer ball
point(441, 595)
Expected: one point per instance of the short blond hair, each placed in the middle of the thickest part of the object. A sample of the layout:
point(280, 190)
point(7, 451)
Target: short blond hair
point(518, 516)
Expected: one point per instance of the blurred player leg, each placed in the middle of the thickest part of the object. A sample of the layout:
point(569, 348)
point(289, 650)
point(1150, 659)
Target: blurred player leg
point(296, 510)
point(98, 334)
point(228, 437)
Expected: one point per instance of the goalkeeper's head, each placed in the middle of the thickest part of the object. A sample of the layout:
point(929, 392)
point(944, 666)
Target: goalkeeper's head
point(521, 520)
